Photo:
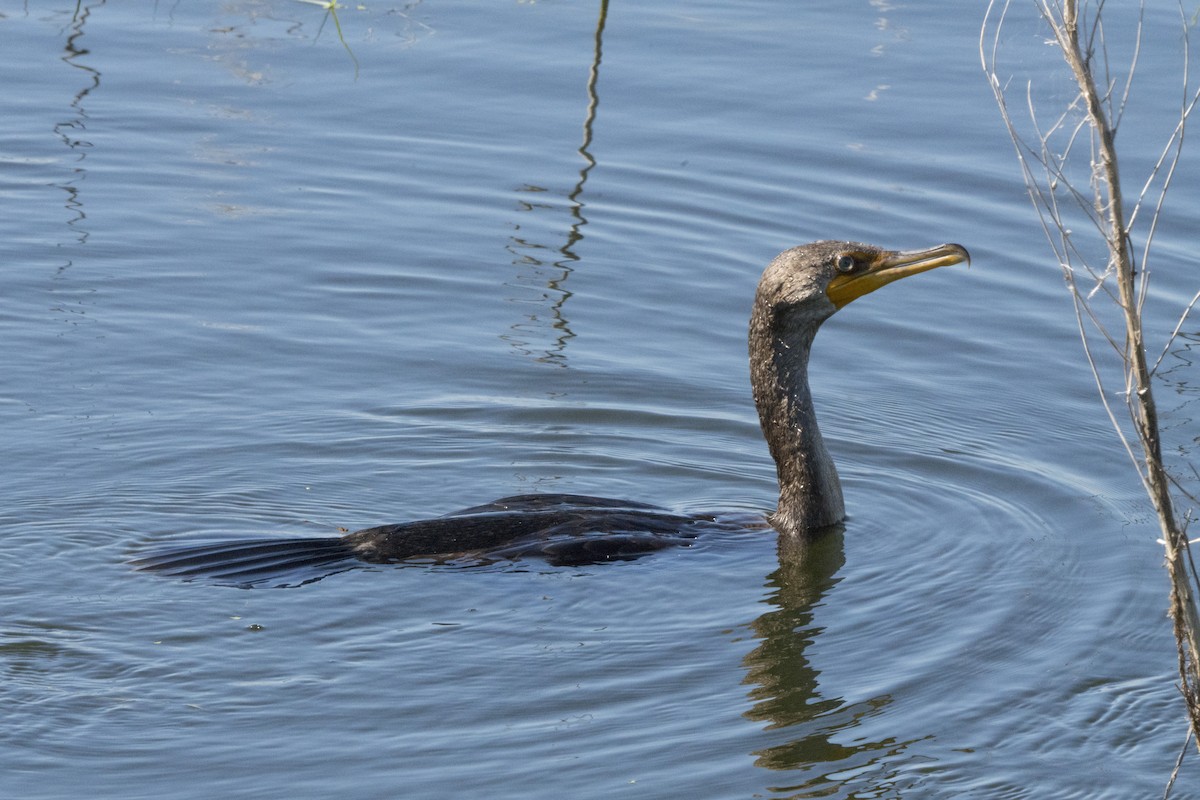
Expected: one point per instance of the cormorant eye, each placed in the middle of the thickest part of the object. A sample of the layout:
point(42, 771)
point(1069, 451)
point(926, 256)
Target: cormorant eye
point(845, 264)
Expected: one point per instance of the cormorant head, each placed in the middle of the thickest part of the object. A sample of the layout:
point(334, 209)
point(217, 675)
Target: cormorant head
point(811, 282)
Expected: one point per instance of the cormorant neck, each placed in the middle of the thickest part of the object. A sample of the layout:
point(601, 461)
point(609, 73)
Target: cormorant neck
point(810, 495)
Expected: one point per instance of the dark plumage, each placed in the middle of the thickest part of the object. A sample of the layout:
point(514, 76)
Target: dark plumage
point(798, 291)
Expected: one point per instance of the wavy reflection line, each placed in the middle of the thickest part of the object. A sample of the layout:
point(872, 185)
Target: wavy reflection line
point(70, 130)
point(817, 749)
point(553, 272)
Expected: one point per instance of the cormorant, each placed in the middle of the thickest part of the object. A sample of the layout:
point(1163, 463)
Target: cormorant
point(800, 289)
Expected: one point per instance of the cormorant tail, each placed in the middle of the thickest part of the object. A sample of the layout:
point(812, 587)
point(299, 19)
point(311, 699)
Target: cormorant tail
point(253, 561)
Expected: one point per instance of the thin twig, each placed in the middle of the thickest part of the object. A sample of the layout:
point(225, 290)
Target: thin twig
point(1178, 764)
point(1187, 311)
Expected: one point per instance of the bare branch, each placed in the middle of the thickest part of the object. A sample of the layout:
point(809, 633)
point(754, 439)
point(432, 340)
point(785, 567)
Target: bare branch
point(1093, 116)
point(1175, 333)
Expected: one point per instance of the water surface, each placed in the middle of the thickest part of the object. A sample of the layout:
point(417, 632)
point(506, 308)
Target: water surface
point(250, 289)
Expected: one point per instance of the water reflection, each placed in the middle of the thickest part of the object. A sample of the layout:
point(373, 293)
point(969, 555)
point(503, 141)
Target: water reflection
point(547, 265)
point(71, 130)
point(787, 686)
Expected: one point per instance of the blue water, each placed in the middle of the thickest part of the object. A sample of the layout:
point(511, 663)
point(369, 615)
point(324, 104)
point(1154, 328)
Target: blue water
point(250, 288)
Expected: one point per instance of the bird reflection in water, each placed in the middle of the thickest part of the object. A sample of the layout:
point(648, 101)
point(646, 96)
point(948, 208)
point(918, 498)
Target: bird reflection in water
point(814, 732)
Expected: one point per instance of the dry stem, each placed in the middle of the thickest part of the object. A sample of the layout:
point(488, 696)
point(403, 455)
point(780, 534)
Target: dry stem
point(1103, 205)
